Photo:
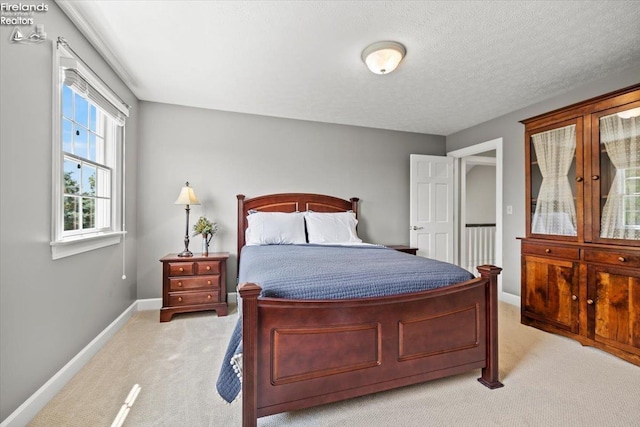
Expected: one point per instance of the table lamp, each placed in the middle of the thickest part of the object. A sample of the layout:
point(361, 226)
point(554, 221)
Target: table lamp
point(186, 197)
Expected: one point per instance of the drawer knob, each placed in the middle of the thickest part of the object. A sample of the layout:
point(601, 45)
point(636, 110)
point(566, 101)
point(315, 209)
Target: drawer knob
point(208, 267)
point(548, 250)
point(579, 178)
point(590, 301)
point(595, 177)
point(179, 299)
point(180, 284)
point(208, 282)
point(208, 296)
point(574, 297)
point(622, 259)
point(181, 269)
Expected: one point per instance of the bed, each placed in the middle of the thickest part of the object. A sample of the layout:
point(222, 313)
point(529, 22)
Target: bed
point(298, 352)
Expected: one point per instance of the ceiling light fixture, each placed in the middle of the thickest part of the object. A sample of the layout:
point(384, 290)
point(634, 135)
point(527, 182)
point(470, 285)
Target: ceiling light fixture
point(383, 57)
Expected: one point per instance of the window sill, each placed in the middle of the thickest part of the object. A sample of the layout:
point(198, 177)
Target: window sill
point(78, 245)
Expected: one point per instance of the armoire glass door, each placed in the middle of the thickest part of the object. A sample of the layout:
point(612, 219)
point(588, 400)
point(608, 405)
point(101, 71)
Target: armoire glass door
point(619, 149)
point(553, 182)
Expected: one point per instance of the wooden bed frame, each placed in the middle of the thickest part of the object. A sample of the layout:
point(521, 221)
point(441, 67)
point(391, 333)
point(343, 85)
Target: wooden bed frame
point(303, 353)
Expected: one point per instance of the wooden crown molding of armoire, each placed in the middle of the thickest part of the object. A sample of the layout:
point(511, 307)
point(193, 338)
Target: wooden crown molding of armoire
point(581, 254)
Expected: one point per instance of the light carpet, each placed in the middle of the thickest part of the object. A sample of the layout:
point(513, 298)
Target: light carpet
point(548, 381)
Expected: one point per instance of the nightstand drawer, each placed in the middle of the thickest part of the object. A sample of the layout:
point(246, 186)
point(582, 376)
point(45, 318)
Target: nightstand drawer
point(208, 267)
point(622, 259)
point(550, 250)
point(196, 282)
point(181, 268)
point(193, 298)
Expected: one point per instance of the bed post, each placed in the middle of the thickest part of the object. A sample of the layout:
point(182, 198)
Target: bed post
point(490, 372)
point(241, 214)
point(249, 293)
point(354, 205)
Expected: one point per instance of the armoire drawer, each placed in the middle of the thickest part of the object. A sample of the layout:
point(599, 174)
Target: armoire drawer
point(622, 259)
point(551, 250)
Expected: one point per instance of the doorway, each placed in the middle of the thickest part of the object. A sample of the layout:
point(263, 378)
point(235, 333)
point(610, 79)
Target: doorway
point(477, 225)
point(464, 157)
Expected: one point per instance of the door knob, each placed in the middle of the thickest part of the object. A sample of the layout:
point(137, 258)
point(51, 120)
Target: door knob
point(413, 227)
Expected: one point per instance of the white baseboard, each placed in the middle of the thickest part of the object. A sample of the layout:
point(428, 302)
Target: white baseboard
point(34, 404)
point(149, 304)
point(232, 297)
point(510, 298)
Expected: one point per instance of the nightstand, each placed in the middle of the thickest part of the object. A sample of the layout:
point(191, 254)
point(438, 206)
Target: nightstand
point(194, 283)
point(403, 248)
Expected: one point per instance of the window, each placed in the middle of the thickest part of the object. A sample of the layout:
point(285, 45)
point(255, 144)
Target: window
point(88, 148)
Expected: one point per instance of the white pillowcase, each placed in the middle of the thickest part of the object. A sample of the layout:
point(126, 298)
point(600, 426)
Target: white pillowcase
point(339, 227)
point(275, 228)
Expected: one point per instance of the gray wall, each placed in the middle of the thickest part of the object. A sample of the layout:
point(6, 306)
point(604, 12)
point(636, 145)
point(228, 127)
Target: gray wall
point(223, 154)
point(480, 202)
point(512, 132)
point(49, 310)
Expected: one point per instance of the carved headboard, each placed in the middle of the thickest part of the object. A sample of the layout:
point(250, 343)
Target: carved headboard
point(289, 202)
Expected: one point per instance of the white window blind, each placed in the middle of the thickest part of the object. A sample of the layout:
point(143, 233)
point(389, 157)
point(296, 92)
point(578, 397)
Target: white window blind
point(79, 84)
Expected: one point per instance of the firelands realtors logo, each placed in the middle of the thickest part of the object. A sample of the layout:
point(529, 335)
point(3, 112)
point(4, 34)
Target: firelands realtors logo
point(19, 14)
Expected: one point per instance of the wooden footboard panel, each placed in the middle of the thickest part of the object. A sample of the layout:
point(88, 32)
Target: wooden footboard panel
point(299, 354)
point(309, 350)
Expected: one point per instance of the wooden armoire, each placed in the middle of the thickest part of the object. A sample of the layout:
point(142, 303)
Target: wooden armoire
point(581, 253)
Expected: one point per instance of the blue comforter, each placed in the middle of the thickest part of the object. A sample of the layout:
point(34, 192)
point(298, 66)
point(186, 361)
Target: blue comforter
point(330, 272)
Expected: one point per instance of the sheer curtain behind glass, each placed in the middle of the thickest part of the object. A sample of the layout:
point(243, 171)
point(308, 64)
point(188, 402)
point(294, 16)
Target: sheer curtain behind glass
point(621, 138)
point(555, 209)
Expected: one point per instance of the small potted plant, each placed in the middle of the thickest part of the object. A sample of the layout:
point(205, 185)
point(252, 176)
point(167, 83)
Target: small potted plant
point(207, 229)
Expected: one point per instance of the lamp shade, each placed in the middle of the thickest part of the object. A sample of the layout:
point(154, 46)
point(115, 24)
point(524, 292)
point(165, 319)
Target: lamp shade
point(187, 196)
point(383, 57)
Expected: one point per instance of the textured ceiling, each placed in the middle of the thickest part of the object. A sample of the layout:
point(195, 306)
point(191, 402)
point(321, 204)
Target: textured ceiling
point(467, 61)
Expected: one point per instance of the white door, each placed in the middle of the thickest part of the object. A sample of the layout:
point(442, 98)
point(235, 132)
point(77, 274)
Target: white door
point(431, 206)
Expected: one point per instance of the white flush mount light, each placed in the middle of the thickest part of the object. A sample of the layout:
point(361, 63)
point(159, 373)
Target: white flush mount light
point(383, 57)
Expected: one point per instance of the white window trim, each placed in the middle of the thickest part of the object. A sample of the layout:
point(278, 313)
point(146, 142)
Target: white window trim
point(85, 243)
point(68, 246)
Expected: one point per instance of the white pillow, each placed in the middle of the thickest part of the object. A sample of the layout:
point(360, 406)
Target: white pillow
point(275, 228)
point(339, 227)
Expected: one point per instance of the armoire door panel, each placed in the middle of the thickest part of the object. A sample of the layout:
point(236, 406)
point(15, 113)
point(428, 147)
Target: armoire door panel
point(549, 286)
point(615, 311)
